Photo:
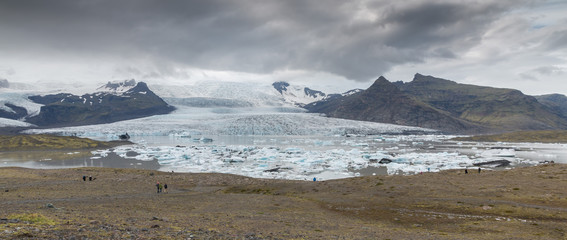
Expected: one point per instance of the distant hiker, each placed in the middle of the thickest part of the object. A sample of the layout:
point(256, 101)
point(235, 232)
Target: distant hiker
point(314, 179)
point(90, 178)
point(160, 187)
point(478, 170)
point(157, 186)
point(165, 187)
point(84, 178)
point(466, 171)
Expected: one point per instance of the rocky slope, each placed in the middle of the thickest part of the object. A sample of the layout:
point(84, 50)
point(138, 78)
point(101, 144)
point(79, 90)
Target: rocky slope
point(498, 108)
point(557, 102)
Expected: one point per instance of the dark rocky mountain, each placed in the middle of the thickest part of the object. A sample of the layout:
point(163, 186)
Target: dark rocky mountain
point(384, 102)
point(557, 102)
point(445, 105)
point(280, 86)
point(119, 101)
point(313, 93)
point(499, 109)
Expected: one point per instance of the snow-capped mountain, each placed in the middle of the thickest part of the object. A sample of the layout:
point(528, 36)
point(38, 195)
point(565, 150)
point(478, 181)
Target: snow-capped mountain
point(120, 102)
point(114, 101)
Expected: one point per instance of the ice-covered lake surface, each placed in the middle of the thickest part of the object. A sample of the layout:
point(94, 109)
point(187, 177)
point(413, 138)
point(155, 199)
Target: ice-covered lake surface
point(288, 144)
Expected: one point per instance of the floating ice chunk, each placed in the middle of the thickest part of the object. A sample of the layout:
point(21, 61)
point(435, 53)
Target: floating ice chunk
point(293, 150)
point(499, 153)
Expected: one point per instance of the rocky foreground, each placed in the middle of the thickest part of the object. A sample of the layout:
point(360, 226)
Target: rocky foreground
point(523, 203)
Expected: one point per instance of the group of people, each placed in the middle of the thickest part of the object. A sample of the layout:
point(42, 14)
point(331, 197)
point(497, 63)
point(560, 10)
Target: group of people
point(90, 178)
point(161, 187)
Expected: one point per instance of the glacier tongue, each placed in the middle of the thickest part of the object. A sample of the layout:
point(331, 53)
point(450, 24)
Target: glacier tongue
point(232, 121)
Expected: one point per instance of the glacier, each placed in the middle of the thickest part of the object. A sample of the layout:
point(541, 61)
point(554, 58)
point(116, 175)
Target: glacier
point(233, 121)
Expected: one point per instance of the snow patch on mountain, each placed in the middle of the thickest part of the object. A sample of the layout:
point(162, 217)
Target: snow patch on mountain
point(298, 95)
point(118, 87)
point(351, 92)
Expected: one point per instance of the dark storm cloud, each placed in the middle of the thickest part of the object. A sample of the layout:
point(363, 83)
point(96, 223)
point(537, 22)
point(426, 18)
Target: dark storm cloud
point(356, 39)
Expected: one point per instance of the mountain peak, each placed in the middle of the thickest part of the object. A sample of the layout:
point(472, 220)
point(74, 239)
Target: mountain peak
point(418, 78)
point(381, 79)
point(383, 85)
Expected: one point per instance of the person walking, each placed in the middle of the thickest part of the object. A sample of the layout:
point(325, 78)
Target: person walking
point(160, 188)
point(157, 186)
point(165, 187)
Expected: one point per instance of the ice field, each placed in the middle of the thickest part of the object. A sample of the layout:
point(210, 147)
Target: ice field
point(284, 143)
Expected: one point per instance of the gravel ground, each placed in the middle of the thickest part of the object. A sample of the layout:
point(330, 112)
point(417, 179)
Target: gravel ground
point(523, 203)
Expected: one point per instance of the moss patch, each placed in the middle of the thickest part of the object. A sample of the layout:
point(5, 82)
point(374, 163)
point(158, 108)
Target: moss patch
point(50, 142)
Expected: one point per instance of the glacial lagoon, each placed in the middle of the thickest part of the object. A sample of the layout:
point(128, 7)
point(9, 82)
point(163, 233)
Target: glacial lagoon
point(296, 157)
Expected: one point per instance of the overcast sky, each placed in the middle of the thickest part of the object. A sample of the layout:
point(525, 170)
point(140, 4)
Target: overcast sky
point(519, 44)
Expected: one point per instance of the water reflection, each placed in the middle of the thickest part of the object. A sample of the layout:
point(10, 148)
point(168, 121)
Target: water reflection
point(62, 159)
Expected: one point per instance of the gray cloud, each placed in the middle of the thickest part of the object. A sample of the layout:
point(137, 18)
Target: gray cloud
point(359, 40)
point(549, 70)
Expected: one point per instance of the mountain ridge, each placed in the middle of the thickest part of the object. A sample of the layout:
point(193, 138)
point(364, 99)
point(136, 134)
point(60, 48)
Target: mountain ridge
point(384, 102)
point(500, 108)
point(444, 105)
